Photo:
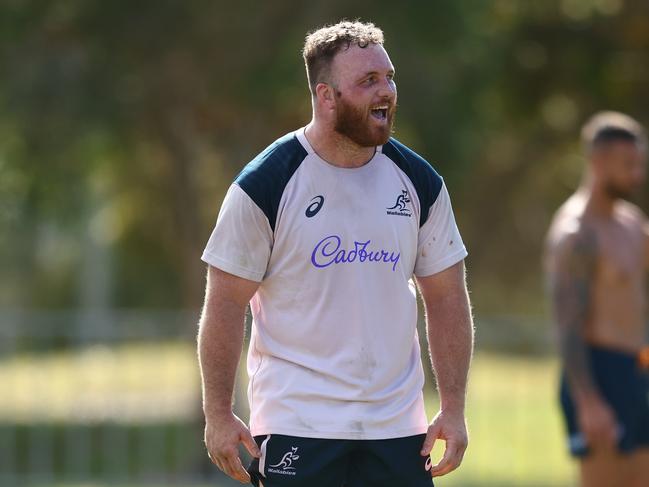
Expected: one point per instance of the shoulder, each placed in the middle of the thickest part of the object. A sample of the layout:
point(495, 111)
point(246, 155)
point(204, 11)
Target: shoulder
point(632, 212)
point(426, 180)
point(415, 166)
point(266, 176)
point(633, 217)
point(574, 242)
point(571, 231)
point(569, 220)
point(277, 161)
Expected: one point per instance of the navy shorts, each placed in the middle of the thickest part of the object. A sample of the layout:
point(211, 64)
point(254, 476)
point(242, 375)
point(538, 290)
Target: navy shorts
point(625, 387)
point(312, 462)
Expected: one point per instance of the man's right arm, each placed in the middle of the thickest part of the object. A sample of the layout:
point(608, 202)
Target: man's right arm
point(220, 340)
point(571, 278)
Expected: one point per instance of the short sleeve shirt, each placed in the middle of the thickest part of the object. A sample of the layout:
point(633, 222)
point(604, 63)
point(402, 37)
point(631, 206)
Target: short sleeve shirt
point(334, 351)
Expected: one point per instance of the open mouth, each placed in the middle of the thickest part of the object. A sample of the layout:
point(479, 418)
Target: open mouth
point(380, 112)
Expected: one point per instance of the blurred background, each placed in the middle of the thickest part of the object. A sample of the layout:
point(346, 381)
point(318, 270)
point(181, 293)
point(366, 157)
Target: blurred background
point(123, 123)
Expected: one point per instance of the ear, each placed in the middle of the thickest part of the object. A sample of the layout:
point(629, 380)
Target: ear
point(326, 95)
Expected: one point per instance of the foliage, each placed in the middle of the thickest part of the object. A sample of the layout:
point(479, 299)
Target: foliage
point(122, 124)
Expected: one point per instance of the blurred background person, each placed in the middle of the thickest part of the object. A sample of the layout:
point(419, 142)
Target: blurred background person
point(596, 262)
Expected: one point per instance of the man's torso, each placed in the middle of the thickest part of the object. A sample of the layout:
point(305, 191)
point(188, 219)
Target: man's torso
point(334, 351)
point(616, 316)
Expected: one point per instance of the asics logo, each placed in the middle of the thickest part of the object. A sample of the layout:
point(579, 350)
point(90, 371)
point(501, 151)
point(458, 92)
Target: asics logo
point(314, 207)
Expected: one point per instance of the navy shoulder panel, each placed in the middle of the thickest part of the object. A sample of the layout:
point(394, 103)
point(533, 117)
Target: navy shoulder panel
point(265, 177)
point(425, 179)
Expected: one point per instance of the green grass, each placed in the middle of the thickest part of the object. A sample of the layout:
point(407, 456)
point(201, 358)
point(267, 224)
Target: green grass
point(101, 383)
point(516, 436)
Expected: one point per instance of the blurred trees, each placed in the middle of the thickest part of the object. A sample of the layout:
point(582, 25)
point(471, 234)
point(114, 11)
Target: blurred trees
point(123, 123)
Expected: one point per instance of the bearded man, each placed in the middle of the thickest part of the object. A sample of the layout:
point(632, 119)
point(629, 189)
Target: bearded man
point(324, 233)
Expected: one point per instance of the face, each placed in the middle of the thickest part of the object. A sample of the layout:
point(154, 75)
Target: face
point(622, 168)
point(365, 94)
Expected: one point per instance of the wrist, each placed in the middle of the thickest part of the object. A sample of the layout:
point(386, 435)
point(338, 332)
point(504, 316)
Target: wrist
point(453, 405)
point(586, 397)
point(215, 411)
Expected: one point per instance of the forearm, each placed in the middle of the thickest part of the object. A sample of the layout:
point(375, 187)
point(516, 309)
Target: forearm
point(450, 341)
point(571, 273)
point(571, 300)
point(576, 364)
point(220, 340)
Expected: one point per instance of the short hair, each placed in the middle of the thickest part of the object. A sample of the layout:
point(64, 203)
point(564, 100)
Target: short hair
point(606, 127)
point(321, 45)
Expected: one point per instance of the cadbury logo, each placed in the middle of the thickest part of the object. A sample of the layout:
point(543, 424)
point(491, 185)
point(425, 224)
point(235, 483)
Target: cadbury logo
point(328, 252)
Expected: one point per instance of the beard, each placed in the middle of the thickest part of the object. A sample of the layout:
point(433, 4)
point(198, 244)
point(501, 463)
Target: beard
point(355, 123)
point(618, 192)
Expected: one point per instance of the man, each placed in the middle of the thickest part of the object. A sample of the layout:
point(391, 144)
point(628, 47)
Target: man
point(322, 234)
point(596, 261)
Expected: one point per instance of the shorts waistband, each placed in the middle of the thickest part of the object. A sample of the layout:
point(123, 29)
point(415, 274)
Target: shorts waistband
point(639, 359)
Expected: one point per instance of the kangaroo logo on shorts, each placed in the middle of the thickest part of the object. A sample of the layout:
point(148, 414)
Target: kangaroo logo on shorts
point(400, 208)
point(286, 463)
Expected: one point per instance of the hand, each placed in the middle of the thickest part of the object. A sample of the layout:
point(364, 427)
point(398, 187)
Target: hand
point(598, 424)
point(222, 437)
point(450, 427)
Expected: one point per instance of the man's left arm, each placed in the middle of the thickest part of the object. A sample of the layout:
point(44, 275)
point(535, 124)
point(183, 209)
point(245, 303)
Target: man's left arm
point(450, 340)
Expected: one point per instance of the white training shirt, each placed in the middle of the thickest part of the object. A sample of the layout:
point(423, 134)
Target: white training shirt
point(334, 351)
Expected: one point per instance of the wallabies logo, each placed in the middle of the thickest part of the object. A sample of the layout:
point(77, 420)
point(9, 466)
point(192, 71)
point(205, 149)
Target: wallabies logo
point(288, 459)
point(400, 208)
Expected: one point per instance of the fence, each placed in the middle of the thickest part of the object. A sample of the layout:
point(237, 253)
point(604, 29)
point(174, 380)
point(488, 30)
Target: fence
point(114, 397)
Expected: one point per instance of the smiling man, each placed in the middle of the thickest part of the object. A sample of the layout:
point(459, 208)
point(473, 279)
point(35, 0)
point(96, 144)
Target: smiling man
point(323, 234)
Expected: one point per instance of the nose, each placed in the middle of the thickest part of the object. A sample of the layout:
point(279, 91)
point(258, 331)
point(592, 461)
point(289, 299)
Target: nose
point(388, 89)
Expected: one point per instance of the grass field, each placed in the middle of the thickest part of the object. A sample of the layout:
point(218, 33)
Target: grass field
point(101, 383)
point(516, 437)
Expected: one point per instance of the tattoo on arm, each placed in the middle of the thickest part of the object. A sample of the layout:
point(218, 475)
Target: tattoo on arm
point(571, 283)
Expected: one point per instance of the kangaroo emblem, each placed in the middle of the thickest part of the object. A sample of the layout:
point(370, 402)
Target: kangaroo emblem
point(402, 199)
point(288, 458)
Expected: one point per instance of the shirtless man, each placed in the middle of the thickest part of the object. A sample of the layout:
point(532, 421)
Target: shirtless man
point(597, 256)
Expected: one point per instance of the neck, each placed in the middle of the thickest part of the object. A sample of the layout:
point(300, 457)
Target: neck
point(335, 148)
point(598, 202)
